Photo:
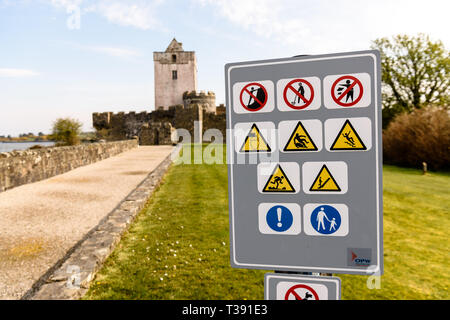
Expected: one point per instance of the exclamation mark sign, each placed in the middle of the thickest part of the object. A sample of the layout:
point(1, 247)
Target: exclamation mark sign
point(279, 211)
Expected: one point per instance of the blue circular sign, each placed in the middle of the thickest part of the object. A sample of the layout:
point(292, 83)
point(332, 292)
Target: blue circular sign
point(325, 219)
point(279, 218)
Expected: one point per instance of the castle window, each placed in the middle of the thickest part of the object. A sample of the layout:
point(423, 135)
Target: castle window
point(174, 75)
point(174, 58)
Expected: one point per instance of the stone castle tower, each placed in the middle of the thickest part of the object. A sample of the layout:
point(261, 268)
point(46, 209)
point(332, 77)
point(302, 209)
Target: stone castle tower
point(175, 73)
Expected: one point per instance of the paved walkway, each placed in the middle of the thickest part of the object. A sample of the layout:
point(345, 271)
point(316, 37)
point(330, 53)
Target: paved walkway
point(40, 222)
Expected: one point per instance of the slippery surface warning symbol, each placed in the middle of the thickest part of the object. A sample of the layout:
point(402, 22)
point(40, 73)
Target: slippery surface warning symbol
point(348, 139)
point(255, 142)
point(348, 134)
point(278, 182)
point(300, 140)
point(325, 181)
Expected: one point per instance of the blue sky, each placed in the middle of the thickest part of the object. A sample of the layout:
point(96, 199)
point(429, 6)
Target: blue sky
point(69, 58)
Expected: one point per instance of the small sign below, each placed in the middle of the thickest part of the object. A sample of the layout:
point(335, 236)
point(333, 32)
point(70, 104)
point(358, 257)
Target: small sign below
point(299, 287)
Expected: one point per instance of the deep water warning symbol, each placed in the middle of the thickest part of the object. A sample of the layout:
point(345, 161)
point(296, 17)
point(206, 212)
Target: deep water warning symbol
point(325, 181)
point(348, 139)
point(278, 182)
point(300, 140)
point(255, 142)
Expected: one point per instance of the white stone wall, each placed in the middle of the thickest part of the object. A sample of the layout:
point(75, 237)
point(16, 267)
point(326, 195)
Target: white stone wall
point(169, 92)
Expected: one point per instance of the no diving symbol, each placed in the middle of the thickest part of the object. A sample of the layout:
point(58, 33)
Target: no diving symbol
point(347, 91)
point(298, 94)
point(253, 96)
point(301, 292)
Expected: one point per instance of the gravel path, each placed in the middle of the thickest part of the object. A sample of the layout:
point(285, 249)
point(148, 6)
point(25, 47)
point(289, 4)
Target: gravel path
point(40, 222)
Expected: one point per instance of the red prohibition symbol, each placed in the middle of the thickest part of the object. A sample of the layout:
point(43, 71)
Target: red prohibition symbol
point(297, 296)
point(299, 94)
point(257, 98)
point(346, 89)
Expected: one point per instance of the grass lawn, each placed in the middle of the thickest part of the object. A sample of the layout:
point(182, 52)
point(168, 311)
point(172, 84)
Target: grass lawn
point(178, 246)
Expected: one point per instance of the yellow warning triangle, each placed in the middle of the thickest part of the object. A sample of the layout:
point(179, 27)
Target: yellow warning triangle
point(348, 139)
point(300, 140)
point(255, 142)
point(324, 181)
point(278, 182)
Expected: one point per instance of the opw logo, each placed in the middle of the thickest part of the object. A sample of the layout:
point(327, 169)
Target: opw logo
point(360, 257)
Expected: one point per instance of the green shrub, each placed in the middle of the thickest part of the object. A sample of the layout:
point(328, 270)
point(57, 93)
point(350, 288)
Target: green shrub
point(420, 136)
point(66, 132)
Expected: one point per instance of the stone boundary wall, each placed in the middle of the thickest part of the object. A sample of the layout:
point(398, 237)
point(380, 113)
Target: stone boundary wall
point(27, 166)
point(70, 278)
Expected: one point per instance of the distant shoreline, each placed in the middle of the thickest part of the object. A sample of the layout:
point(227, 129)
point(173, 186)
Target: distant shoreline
point(27, 141)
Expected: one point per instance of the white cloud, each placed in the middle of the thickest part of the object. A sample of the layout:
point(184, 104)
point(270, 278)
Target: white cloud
point(330, 26)
point(115, 52)
point(118, 52)
point(17, 73)
point(140, 14)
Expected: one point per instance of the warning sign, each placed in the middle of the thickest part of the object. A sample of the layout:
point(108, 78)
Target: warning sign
point(347, 91)
point(300, 140)
point(329, 176)
point(298, 94)
point(253, 97)
point(278, 182)
point(255, 142)
point(324, 181)
point(301, 292)
point(348, 134)
point(348, 139)
point(279, 218)
point(299, 287)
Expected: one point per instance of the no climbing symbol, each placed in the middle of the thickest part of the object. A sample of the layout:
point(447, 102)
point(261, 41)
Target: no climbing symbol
point(253, 96)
